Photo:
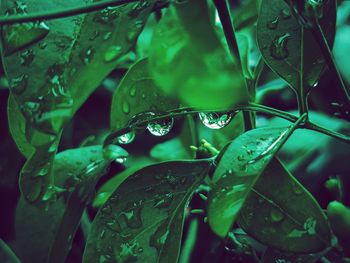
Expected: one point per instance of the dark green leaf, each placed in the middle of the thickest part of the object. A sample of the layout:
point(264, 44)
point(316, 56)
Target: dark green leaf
point(289, 49)
point(188, 61)
point(144, 216)
point(6, 254)
point(281, 213)
point(273, 256)
point(78, 52)
point(239, 168)
point(137, 93)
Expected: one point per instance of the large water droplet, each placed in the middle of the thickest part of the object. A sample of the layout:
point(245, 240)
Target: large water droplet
point(86, 55)
point(132, 215)
point(216, 120)
point(159, 237)
point(132, 92)
point(126, 138)
point(272, 24)
point(278, 47)
point(161, 127)
point(126, 107)
point(276, 215)
point(27, 57)
point(112, 53)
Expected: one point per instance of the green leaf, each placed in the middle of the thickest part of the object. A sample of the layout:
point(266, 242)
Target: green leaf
point(51, 75)
point(138, 93)
point(289, 49)
point(6, 254)
point(144, 216)
point(281, 213)
point(238, 170)
point(188, 61)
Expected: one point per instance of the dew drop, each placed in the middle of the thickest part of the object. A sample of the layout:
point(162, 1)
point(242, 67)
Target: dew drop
point(126, 138)
point(272, 24)
point(107, 15)
point(285, 13)
point(216, 120)
point(94, 35)
point(42, 45)
point(163, 201)
point(132, 215)
point(132, 92)
point(134, 31)
point(161, 127)
point(126, 107)
point(27, 57)
point(107, 36)
point(86, 55)
point(112, 53)
point(138, 8)
point(278, 47)
point(276, 215)
point(19, 84)
point(159, 237)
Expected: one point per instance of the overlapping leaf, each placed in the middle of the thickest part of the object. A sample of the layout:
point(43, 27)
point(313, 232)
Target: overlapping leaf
point(281, 213)
point(52, 77)
point(143, 219)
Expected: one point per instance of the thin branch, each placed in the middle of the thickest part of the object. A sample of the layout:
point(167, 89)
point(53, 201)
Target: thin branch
point(8, 20)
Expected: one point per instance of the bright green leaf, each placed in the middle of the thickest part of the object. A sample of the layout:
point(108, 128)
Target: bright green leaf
point(144, 217)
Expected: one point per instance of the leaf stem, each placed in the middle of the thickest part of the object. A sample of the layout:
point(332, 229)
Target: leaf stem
point(301, 95)
point(229, 31)
point(8, 20)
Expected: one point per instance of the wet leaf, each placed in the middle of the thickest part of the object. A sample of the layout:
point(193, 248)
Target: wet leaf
point(281, 213)
point(289, 49)
point(188, 61)
point(138, 93)
point(238, 170)
point(144, 216)
point(51, 75)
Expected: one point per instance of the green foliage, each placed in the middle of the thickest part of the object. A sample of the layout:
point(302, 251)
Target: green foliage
point(197, 78)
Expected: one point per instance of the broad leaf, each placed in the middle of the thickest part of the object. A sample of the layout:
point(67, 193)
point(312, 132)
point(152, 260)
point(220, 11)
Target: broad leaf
point(289, 49)
point(138, 93)
point(52, 74)
point(143, 219)
point(188, 61)
point(281, 213)
point(273, 256)
point(238, 170)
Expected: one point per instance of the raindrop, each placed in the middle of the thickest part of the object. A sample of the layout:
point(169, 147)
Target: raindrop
point(273, 23)
point(163, 201)
point(112, 53)
point(134, 31)
point(107, 36)
point(216, 120)
point(126, 138)
point(27, 57)
point(285, 13)
point(161, 127)
point(132, 92)
point(276, 215)
point(278, 47)
point(19, 84)
point(126, 107)
point(159, 237)
point(86, 55)
point(132, 215)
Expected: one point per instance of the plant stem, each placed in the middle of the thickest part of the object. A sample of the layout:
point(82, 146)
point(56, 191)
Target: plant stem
point(8, 20)
point(328, 56)
point(229, 31)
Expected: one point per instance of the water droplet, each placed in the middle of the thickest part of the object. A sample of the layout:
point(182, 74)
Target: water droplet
point(112, 53)
point(132, 92)
point(107, 36)
point(132, 215)
point(138, 8)
point(161, 127)
point(126, 138)
point(126, 107)
point(86, 55)
point(159, 237)
point(94, 35)
point(19, 84)
point(143, 95)
point(114, 225)
point(134, 31)
point(128, 252)
point(42, 45)
point(272, 24)
point(216, 120)
point(27, 57)
point(107, 15)
point(163, 201)
point(278, 48)
point(114, 152)
point(285, 13)
point(276, 215)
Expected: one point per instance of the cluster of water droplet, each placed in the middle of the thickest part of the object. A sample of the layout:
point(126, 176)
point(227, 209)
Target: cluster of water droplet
point(216, 120)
